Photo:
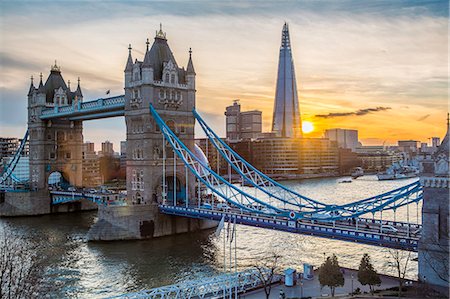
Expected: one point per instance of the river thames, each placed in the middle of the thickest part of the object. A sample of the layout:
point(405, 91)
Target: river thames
point(81, 269)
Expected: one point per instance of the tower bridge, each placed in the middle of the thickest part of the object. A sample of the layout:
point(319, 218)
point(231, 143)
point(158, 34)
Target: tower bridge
point(170, 187)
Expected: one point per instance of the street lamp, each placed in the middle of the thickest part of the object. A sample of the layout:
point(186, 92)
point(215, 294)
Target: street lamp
point(301, 288)
point(352, 284)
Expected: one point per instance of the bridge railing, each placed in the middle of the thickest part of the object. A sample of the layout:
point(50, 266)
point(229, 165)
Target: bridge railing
point(112, 102)
point(221, 285)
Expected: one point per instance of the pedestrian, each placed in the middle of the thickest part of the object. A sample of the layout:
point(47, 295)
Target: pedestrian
point(282, 294)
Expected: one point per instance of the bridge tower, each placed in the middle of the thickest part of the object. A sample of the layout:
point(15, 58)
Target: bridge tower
point(434, 243)
point(55, 145)
point(159, 81)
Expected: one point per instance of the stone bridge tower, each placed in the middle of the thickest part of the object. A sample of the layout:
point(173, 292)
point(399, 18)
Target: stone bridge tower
point(55, 145)
point(157, 80)
point(435, 240)
point(160, 81)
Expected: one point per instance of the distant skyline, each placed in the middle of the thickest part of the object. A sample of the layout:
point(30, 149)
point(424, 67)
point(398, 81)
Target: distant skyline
point(380, 67)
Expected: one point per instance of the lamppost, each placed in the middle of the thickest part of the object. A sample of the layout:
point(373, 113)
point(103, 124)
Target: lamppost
point(301, 288)
point(352, 284)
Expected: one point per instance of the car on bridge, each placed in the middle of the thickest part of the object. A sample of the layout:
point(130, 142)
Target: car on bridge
point(223, 207)
point(385, 228)
point(206, 206)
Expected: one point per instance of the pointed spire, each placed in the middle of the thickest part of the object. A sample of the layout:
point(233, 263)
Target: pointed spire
point(147, 60)
point(41, 85)
point(129, 66)
point(55, 68)
point(78, 92)
point(30, 91)
point(190, 65)
point(160, 34)
point(68, 84)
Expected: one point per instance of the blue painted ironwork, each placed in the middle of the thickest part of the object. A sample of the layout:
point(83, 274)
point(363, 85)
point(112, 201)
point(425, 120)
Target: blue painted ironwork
point(96, 109)
point(389, 200)
point(313, 209)
point(319, 229)
point(60, 197)
point(220, 286)
point(253, 176)
point(217, 184)
point(7, 179)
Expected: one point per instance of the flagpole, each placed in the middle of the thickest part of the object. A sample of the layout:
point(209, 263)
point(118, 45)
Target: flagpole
point(224, 254)
point(235, 256)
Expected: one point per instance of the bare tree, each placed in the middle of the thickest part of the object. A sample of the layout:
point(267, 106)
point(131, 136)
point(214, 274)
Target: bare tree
point(399, 262)
point(438, 259)
point(21, 268)
point(267, 268)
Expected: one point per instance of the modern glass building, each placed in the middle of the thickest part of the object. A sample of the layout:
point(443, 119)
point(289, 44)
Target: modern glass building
point(286, 112)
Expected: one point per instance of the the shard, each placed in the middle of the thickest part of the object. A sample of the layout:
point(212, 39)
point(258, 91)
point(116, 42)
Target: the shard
point(286, 112)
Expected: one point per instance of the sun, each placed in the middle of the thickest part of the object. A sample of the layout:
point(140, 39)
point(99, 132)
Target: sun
point(307, 127)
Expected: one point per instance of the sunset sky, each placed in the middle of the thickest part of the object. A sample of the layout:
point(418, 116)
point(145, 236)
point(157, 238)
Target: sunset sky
point(377, 66)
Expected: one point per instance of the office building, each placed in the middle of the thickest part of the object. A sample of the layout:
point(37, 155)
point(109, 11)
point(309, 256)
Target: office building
point(242, 125)
point(345, 138)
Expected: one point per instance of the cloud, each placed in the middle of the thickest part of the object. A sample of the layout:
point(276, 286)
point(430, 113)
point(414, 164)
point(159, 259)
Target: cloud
point(359, 112)
point(423, 117)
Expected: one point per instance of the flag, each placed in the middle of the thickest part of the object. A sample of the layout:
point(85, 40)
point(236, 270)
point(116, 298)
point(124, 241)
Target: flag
point(108, 91)
point(220, 226)
point(234, 231)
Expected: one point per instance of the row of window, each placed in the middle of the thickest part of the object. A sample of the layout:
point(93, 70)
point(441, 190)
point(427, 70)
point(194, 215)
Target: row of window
point(137, 180)
point(170, 94)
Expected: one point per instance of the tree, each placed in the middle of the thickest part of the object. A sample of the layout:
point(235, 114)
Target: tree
point(399, 262)
point(366, 273)
point(21, 268)
point(266, 270)
point(330, 274)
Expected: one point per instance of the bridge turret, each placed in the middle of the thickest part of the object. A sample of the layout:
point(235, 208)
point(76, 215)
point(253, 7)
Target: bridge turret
point(32, 88)
point(78, 93)
point(128, 68)
point(147, 67)
point(190, 72)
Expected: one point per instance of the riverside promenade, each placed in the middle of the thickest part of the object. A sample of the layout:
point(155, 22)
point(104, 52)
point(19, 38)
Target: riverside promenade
point(311, 288)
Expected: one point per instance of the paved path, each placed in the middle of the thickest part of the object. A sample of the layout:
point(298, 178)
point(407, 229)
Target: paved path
point(312, 287)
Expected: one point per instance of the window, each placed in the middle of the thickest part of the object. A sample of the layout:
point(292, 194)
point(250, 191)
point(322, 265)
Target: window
point(172, 79)
point(49, 136)
point(161, 94)
point(52, 156)
point(167, 78)
point(68, 155)
point(136, 94)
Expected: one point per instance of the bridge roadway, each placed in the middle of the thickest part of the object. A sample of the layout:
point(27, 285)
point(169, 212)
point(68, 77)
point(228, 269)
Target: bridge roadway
point(366, 232)
point(59, 197)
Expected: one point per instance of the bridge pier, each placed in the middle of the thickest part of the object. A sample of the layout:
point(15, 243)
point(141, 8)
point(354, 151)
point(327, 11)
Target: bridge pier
point(35, 203)
point(24, 203)
point(141, 222)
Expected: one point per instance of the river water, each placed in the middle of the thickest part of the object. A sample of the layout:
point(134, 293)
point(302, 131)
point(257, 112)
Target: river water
point(80, 269)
